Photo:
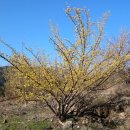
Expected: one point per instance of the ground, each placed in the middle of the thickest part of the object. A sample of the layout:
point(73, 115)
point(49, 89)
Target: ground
point(16, 115)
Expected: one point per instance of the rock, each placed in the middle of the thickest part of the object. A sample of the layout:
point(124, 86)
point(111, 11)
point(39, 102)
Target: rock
point(24, 113)
point(127, 110)
point(85, 121)
point(122, 115)
point(127, 124)
point(78, 127)
point(5, 121)
point(84, 127)
point(67, 125)
point(51, 120)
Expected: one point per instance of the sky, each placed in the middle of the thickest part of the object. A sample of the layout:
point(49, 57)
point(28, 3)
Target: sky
point(28, 21)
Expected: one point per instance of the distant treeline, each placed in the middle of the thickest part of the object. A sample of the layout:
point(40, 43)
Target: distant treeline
point(2, 79)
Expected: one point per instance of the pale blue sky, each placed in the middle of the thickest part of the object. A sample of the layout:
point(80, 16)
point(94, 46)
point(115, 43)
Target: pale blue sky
point(28, 20)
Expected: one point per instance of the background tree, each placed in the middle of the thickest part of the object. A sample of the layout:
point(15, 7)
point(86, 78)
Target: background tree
point(84, 67)
point(2, 81)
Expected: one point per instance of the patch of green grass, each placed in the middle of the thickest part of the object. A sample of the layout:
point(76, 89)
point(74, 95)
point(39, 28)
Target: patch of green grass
point(31, 125)
point(38, 125)
point(12, 126)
